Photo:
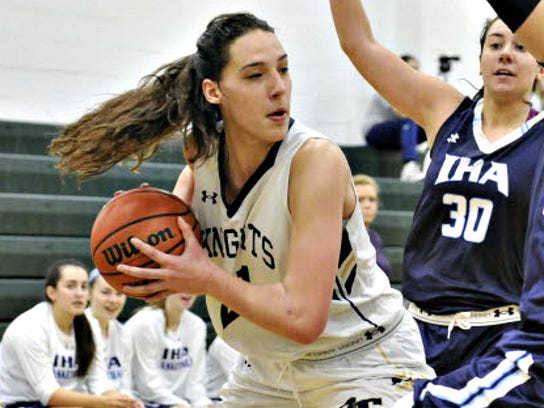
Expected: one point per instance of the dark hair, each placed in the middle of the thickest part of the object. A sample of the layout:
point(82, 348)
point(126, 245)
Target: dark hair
point(167, 102)
point(483, 36)
point(485, 29)
point(85, 346)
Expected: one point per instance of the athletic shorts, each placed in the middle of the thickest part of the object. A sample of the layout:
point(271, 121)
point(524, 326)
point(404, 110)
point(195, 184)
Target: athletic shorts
point(373, 376)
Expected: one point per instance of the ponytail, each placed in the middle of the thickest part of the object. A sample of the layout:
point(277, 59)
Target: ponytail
point(85, 345)
point(131, 125)
point(167, 103)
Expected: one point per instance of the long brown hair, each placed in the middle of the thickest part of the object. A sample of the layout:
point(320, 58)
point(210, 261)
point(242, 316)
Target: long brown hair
point(167, 102)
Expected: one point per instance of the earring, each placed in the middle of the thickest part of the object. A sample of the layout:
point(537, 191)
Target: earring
point(219, 126)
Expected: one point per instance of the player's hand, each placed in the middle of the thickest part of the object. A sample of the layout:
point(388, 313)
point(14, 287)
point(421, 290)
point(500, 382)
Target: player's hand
point(114, 399)
point(119, 192)
point(187, 273)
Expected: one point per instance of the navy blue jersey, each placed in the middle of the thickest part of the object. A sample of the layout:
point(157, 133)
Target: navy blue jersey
point(532, 302)
point(465, 247)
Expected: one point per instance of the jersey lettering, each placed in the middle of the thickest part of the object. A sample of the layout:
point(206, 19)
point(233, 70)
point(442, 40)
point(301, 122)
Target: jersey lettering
point(176, 359)
point(226, 243)
point(64, 367)
point(457, 168)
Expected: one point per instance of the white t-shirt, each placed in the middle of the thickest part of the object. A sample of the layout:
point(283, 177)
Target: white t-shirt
point(37, 358)
point(220, 362)
point(168, 367)
point(113, 350)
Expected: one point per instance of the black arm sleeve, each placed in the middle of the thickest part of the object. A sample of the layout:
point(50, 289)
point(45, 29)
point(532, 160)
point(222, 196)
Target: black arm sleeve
point(513, 12)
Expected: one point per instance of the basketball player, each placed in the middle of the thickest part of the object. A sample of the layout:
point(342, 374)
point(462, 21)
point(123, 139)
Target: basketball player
point(464, 254)
point(168, 344)
point(48, 355)
point(289, 273)
point(105, 305)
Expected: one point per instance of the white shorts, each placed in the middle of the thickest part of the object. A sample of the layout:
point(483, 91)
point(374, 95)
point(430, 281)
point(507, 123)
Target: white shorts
point(374, 376)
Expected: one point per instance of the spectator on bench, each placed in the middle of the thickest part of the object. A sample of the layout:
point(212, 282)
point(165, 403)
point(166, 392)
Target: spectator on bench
point(106, 304)
point(367, 191)
point(49, 356)
point(168, 343)
point(388, 129)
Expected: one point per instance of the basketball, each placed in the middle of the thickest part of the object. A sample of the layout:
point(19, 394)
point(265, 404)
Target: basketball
point(147, 213)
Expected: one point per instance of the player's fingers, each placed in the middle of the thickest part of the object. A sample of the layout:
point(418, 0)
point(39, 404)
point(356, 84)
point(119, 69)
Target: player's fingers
point(187, 231)
point(143, 290)
point(118, 192)
point(155, 297)
point(152, 252)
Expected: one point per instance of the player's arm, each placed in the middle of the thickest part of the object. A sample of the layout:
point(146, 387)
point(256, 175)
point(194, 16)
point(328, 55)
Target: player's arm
point(526, 19)
point(427, 100)
point(185, 185)
point(296, 307)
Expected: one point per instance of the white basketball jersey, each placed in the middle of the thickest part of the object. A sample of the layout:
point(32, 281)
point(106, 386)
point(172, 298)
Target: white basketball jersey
point(251, 239)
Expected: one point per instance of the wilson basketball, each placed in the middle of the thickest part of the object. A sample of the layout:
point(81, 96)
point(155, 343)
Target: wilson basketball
point(147, 213)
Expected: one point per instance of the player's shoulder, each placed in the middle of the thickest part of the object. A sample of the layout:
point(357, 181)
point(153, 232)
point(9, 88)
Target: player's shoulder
point(194, 319)
point(32, 322)
point(146, 316)
point(312, 144)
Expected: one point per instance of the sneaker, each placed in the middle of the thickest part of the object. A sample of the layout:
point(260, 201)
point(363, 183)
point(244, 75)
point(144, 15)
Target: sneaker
point(411, 172)
point(422, 147)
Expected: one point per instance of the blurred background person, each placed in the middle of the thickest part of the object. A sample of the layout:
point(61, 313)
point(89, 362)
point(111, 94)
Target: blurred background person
point(367, 191)
point(49, 356)
point(168, 344)
point(105, 305)
point(387, 129)
point(220, 361)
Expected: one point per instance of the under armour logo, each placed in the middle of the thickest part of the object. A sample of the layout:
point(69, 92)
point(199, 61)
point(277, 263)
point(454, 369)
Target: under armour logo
point(206, 196)
point(499, 312)
point(377, 330)
point(453, 138)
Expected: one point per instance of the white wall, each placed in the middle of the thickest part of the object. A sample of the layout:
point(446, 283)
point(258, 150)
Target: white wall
point(59, 58)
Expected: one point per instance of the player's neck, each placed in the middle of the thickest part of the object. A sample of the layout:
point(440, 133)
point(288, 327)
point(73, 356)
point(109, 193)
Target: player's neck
point(64, 321)
point(499, 119)
point(240, 162)
point(173, 317)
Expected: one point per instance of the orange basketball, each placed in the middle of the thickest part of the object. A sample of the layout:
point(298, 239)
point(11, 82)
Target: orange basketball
point(147, 213)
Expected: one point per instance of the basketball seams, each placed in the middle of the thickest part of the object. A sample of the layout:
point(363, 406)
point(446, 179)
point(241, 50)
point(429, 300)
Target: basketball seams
point(195, 229)
point(149, 217)
point(120, 210)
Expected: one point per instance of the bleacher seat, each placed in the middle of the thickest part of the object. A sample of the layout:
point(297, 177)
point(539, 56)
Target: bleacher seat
point(44, 216)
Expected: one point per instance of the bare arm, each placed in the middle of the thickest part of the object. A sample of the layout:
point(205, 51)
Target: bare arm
point(531, 32)
point(425, 99)
point(185, 185)
point(67, 398)
point(297, 307)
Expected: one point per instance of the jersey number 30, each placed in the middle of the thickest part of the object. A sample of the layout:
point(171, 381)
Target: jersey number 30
point(470, 219)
